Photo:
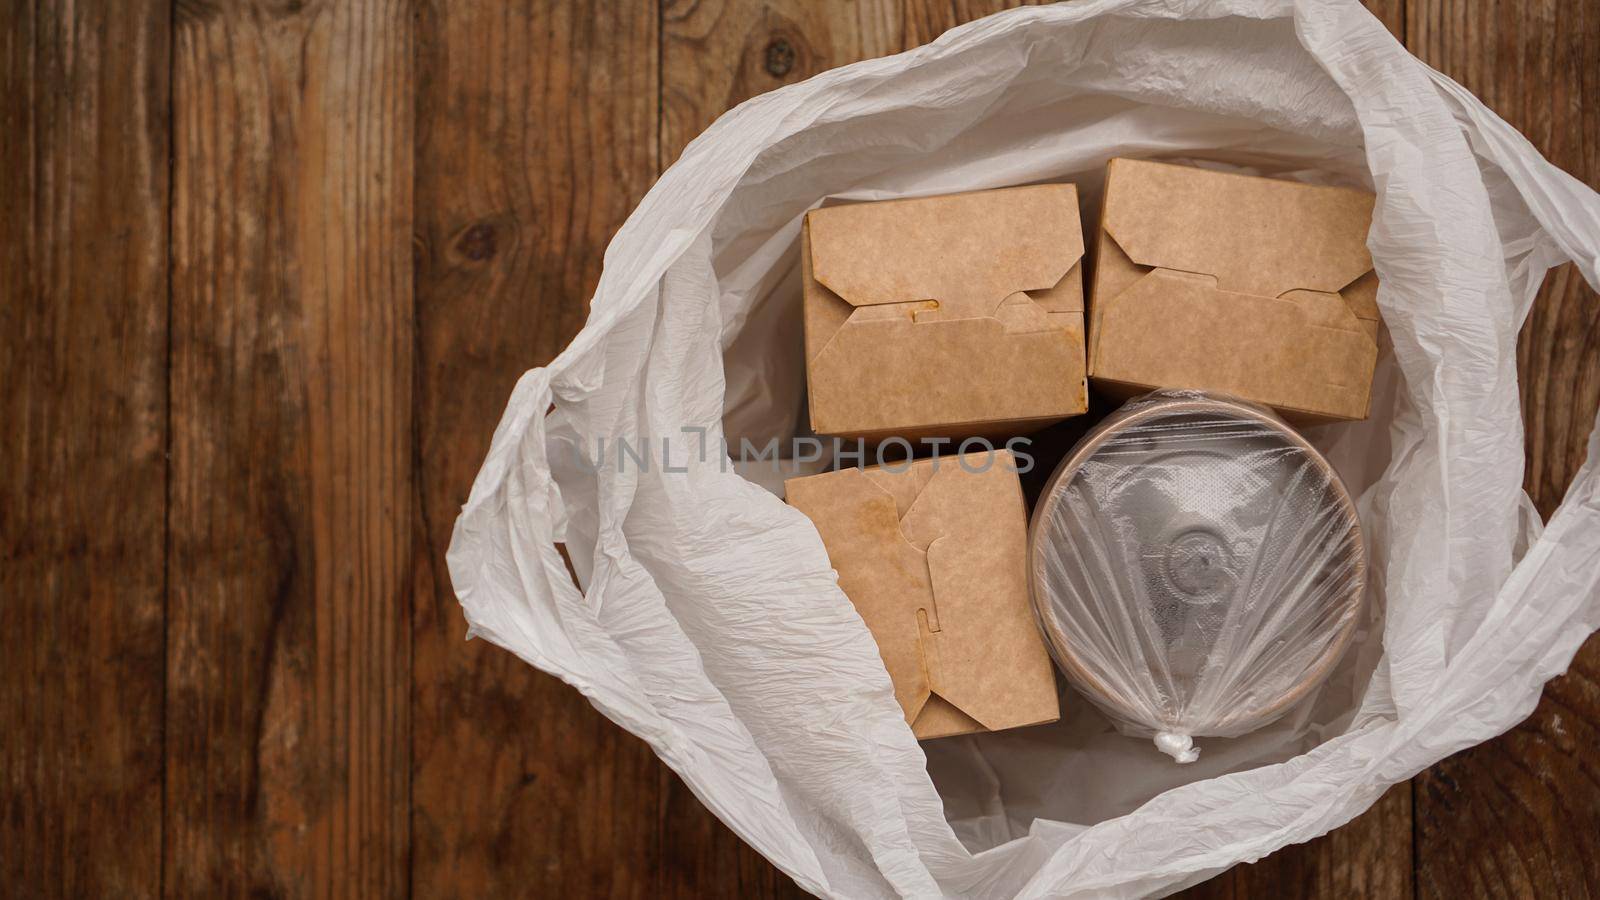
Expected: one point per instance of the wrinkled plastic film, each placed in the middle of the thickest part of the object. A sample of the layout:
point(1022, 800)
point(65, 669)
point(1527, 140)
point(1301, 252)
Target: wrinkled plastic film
point(1197, 568)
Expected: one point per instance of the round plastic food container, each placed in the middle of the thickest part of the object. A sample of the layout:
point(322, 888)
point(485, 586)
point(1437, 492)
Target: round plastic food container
point(1197, 568)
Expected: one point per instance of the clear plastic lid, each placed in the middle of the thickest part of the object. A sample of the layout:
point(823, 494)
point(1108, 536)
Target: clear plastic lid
point(1197, 567)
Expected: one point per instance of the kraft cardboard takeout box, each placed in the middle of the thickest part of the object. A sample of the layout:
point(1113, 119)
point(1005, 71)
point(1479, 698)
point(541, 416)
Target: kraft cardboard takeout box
point(1255, 287)
point(934, 559)
point(953, 316)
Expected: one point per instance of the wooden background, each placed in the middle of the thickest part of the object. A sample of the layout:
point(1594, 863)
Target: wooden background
point(269, 271)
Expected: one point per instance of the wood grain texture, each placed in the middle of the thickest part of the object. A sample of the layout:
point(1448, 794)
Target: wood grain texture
point(83, 322)
point(924, 20)
point(287, 635)
point(715, 54)
point(1517, 816)
point(1392, 13)
point(536, 138)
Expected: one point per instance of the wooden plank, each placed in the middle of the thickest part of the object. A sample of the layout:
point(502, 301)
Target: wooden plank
point(83, 393)
point(925, 20)
point(1392, 13)
point(1517, 816)
point(715, 54)
point(290, 540)
point(536, 137)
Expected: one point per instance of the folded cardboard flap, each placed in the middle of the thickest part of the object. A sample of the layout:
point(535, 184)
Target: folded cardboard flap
point(1256, 287)
point(964, 252)
point(916, 311)
point(933, 558)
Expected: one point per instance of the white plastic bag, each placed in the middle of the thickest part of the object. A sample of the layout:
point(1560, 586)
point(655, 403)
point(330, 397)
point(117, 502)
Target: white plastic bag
point(710, 623)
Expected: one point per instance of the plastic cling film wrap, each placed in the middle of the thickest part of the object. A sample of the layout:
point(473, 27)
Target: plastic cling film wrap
point(1197, 568)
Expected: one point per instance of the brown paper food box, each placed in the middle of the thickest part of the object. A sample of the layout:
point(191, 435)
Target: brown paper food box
point(934, 559)
point(950, 316)
point(1259, 288)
